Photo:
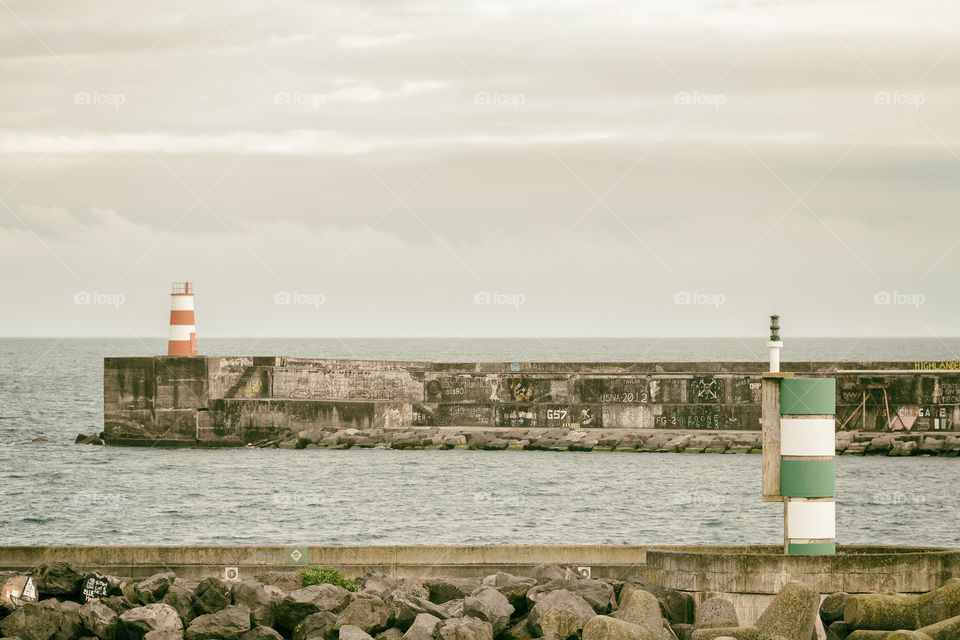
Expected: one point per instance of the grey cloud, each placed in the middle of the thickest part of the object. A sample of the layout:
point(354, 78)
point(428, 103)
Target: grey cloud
point(700, 124)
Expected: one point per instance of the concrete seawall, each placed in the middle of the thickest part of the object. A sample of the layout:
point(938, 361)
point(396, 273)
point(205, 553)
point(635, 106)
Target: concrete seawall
point(749, 576)
point(421, 561)
point(230, 401)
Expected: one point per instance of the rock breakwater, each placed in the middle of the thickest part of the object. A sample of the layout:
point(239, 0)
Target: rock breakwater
point(57, 601)
point(623, 440)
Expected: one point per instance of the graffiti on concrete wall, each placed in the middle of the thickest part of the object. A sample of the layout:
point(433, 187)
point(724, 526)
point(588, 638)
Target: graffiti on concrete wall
point(568, 415)
point(345, 384)
point(706, 390)
point(460, 415)
point(517, 415)
point(391, 416)
point(706, 417)
point(918, 417)
point(744, 389)
point(947, 392)
point(462, 388)
point(633, 390)
point(252, 389)
point(521, 389)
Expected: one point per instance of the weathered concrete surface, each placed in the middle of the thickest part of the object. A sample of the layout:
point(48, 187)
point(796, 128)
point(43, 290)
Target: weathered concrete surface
point(415, 561)
point(229, 401)
point(751, 576)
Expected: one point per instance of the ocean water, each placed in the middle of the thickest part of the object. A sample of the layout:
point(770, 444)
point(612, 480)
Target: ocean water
point(64, 494)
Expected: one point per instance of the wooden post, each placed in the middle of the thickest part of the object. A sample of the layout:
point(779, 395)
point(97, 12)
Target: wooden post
point(770, 421)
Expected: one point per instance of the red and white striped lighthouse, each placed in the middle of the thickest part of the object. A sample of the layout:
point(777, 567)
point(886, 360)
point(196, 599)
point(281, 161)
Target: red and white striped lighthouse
point(183, 329)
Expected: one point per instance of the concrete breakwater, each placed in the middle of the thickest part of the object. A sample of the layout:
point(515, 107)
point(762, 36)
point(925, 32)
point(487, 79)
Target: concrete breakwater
point(231, 401)
point(739, 592)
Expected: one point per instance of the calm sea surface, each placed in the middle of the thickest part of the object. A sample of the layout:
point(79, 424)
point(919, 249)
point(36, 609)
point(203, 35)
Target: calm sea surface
point(66, 494)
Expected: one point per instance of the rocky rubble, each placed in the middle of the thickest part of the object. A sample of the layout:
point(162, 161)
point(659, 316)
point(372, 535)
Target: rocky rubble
point(551, 602)
point(894, 444)
point(934, 615)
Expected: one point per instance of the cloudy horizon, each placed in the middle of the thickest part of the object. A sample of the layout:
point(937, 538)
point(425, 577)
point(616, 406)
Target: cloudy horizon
point(482, 169)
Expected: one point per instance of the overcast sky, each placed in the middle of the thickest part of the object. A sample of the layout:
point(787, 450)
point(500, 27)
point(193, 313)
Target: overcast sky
point(436, 168)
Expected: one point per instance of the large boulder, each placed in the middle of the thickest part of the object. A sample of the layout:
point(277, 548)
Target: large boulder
point(792, 615)
point(128, 589)
point(71, 627)
point(607, 628)
point(677, 606)
point(831, 609)
point(544, 573)
point(463, 629)
point(948, 629)
point(880, 611)
point(393, 633)
point(33, 621)
point(371, 614)
point(514, 588)
point(715, 613)
point(56, 578)
point(153, 589)
point(228, 623)
point(422, 628)
point(137, 622)
point(407, 607)
point(316, 625)
point(939, 604)
point(376, 583)
point(486, 603)
point(262, 600)
point(286, 580)
point(895, 612)
point(444, 589)
point(411, 587)
point(261, 633)
point(452, 608)
point(519, 630)
point(99, 619)
point(119, 604)
point(560, 614)
point(642, 608)
point(180, 598)
point(600, 595)
point(300, 603)
point(350, 632)
point(210, 596)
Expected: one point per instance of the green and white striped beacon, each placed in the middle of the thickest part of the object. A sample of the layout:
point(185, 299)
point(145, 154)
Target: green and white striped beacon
point(798, 453)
